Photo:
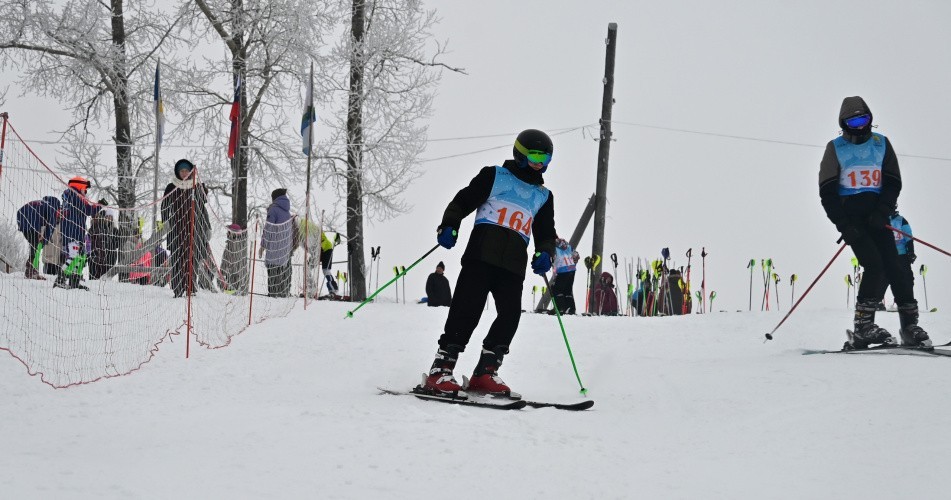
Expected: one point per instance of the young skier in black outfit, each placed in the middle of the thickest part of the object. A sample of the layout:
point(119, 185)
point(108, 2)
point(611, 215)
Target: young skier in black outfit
point(859, 183)
point(511, 205)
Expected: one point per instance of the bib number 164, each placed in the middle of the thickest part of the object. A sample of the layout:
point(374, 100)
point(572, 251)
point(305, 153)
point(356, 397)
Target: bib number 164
point(516, 221)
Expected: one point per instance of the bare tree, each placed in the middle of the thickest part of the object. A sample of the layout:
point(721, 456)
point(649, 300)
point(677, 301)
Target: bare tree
point(270, 44)
point(378, 136)
point(85, 53)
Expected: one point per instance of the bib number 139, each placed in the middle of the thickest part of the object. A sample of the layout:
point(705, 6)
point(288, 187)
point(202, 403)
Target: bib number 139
point(516, 221)
point(865, 178)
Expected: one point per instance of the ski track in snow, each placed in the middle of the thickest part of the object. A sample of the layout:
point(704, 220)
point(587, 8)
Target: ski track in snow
point(686, 407)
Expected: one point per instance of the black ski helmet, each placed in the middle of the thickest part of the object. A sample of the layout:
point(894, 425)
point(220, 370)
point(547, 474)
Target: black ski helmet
point(531, 139)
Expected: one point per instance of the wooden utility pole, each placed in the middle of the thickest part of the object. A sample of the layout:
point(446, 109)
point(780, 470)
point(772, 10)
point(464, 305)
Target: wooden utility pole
point(604, 147)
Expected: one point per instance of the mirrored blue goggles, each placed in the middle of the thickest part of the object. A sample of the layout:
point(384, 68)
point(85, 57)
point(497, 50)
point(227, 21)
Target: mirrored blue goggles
point(533, 155)
point(858, 121)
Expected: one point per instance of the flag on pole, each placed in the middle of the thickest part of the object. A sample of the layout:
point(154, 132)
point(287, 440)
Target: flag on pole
point(159, 110)
point(235, 120)
point(310, 116)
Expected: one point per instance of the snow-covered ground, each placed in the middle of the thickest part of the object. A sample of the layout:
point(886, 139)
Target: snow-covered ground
point(686, 407)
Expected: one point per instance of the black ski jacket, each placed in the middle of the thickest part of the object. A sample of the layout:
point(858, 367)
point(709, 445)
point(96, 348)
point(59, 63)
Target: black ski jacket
point(438, 292)
point(855, 209)
point(496, 245)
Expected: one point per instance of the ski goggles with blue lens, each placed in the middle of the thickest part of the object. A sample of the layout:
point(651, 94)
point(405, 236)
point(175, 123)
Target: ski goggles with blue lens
point(858, 121)
point(534, 156)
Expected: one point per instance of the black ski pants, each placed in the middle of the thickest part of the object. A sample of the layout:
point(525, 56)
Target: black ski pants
point(877, 254)
point(33, 239)
point(476, 281)
point(279, 280)
point(904, 262)
point(562, 292)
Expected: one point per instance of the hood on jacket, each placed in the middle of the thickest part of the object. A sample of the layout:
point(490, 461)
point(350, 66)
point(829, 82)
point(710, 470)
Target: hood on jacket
point(52, 201)
point(855, 106)
point(284, 202)
point(607, 279)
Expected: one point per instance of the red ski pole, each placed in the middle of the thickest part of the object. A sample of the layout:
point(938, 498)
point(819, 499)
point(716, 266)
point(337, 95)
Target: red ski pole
point(769, 336)
point(925, 243)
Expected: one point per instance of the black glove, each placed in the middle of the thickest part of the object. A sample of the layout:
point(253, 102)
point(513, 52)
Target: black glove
point(912, 258)
point(850, 234)
point(879, 218)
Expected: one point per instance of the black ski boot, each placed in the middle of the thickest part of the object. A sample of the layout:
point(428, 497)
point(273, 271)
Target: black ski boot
point(74, 283)
point(440, 380)
point(866, 332)
point(912, 335)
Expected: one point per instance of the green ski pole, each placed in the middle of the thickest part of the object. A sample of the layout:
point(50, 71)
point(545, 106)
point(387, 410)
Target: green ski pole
point(388, 283)
point(565, 336)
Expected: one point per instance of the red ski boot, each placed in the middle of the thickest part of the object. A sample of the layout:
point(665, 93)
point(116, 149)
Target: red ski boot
point(485, 379)
point(440, 380)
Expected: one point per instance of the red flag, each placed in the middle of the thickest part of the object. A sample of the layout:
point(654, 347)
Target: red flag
point(235, 120)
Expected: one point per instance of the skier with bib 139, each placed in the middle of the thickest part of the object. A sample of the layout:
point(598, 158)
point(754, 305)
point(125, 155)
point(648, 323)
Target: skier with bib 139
point(859, 183)
point(511, 205)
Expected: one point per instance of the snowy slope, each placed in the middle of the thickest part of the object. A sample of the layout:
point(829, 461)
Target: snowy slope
point(686, 407)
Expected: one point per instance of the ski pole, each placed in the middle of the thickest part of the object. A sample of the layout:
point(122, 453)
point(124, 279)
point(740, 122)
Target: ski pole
point(565, 336)
point(776, 289)
point(396, 272)
point(769, 336)
point(388, 283)
point(762, 303)
point(403, 272)
point(923, 270)
point(703, 275)
point(750, 266)
point(792, 284)
point(848, 289)
point(925, 243)
point(587, 285)
point(713, 295)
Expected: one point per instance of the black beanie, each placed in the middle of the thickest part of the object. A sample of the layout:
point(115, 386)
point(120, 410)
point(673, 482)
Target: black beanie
point(440, 265)
point(277, 193)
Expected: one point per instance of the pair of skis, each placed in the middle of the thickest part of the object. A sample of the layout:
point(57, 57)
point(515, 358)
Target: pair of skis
point(889, 349)
point(511, 402)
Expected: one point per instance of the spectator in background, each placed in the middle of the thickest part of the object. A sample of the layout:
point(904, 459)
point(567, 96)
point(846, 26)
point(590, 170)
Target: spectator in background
point(104, 238)
point(183, 209)
point(603, 298)
point(438, 292)
point(145, 261)
point(76, 210)
point(37, 221)
point(277, 242)
point(562, 288)
point(326, 259)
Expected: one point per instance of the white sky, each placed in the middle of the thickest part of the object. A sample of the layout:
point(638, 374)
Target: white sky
point(761, 69)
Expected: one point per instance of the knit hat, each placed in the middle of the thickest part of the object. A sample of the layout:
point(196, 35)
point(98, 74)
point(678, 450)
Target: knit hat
point(441, 266)
point(277, 193)
point(183, 164)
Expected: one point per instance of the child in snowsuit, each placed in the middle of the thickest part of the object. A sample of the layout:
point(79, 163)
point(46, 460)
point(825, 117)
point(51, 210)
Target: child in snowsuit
point(511, 204)
point(566, 260)
point(905, 247)
point(76, 210)
point(859, 183)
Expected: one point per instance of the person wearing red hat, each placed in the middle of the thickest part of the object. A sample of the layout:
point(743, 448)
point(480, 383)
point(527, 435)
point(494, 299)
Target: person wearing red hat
point(75, 212)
